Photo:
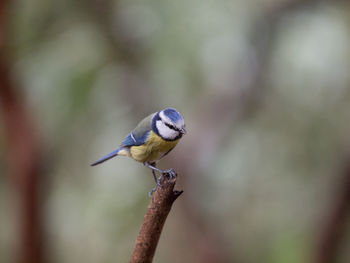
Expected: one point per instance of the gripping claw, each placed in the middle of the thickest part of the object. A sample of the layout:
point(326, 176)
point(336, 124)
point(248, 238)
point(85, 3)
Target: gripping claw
point(150, 193)
point(170, 173)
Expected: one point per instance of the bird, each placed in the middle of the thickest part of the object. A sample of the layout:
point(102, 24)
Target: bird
point(152, 139)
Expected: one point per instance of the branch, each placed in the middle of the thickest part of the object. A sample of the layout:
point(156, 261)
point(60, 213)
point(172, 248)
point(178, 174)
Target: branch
point(153, 221)
point(333, 227)
point(24, 167)
point(24, 158)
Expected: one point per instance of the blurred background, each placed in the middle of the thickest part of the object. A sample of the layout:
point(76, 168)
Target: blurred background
point(264, 88)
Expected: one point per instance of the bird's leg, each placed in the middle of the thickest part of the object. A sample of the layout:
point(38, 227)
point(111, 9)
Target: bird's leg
point(155, 177)
point(170, 171)
point(150, 193)
point(153, 165)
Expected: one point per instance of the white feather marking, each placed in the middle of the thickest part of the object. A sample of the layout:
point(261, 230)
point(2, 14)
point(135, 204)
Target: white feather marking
point(164, 117)
point(165, 132)
point(132, 137)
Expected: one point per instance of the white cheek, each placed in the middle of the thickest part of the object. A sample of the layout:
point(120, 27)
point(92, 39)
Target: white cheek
point(165, 131)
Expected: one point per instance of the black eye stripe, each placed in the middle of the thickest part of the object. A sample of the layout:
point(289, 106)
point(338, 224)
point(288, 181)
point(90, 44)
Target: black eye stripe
point(171, 127)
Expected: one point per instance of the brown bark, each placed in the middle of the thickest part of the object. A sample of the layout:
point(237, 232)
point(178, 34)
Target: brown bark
point(24, 164)
point(23, 169)
point(336, 219)
point(153, 221)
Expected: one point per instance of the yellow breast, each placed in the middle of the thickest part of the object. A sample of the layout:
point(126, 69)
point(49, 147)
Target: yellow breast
point(154, 148)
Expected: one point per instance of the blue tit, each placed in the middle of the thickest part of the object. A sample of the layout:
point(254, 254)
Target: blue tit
point(153, 138)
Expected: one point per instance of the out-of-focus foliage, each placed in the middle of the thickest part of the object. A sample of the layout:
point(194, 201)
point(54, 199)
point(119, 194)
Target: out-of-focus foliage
point(92, 69)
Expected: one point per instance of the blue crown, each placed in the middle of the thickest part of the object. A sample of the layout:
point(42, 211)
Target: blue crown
point(172, 114)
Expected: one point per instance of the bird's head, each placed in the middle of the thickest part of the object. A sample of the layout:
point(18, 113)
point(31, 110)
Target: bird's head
point(169, 124)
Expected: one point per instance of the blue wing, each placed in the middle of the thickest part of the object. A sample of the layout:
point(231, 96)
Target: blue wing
point(130, 140)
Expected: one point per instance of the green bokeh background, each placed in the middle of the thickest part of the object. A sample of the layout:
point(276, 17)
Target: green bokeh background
point(264, 88)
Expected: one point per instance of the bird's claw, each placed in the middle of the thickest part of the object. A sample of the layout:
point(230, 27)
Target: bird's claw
point(158, 181)
point(170, 173)
point(150, 193)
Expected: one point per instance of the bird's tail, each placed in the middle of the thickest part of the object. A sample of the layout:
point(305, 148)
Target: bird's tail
point(108, 156)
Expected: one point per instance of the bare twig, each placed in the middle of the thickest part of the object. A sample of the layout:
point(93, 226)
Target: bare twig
point(153, 221)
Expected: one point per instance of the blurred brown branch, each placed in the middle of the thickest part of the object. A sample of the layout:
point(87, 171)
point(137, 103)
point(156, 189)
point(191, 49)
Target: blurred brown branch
point(153, 221)
point(336, 218)
point(24, 168)
point(24, 164)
